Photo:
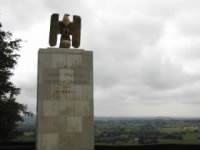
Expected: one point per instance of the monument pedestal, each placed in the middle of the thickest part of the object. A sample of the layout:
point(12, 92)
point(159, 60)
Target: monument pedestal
point(65, 99)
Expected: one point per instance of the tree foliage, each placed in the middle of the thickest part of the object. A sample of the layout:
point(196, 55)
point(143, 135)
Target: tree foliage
point(10, 110)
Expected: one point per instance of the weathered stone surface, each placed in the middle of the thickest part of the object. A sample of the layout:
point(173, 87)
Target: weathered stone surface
point(65, 99)
point(48, 141)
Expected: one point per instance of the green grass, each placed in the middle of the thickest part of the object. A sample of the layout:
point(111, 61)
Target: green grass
point(191, 138)
point(29, 137)
point(188, 138)
point(171, 129)
point(170, 141)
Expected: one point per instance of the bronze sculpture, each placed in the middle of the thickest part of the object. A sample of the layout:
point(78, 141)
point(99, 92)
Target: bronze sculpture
point(66, 28)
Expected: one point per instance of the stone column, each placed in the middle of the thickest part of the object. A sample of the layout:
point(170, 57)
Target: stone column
point(65, 119)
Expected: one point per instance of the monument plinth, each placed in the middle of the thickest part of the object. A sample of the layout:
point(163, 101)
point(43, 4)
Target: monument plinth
point(65, 99)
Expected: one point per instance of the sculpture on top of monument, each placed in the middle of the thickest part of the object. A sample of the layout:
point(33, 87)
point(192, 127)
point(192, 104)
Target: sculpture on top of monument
point(66, 28)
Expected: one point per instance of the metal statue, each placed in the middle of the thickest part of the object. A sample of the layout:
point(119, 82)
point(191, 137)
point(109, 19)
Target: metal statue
point(66, 28)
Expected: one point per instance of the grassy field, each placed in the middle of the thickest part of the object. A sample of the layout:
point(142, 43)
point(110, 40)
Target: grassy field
point(147, 131)
point(139, 131)
point(189, 138)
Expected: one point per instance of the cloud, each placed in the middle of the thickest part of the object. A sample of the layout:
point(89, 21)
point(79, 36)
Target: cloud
point(145, 52)
point(21, 15)
point(188, 22)
point(159, 72)
point(28, 93)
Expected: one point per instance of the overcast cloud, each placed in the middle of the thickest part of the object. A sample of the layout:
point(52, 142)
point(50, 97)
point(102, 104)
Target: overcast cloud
point(146, 52)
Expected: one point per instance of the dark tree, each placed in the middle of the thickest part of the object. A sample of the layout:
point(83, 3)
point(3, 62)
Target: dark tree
point(10, 110)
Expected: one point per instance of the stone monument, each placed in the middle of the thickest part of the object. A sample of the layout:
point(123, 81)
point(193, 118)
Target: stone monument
point(65, 119)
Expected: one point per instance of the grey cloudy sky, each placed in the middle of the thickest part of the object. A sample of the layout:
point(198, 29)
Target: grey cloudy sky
point(146, 52)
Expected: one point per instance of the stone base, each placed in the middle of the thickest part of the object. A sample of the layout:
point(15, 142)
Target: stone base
point(65, 99)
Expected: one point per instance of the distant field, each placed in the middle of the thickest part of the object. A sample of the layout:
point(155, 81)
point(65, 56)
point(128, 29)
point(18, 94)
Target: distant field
point(189, 138)
point(147, 131)
point(136, 131)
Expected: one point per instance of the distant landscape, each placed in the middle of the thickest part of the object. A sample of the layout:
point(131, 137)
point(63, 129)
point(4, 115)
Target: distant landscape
point(135, 131)
point(132, 131)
